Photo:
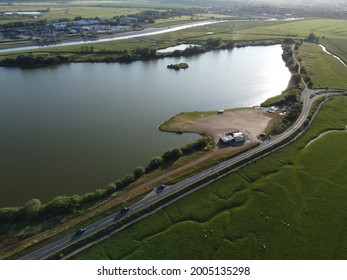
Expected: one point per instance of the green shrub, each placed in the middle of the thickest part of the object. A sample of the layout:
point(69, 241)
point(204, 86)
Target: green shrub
point(139, 171)
point(173, 154)
point(128, 179)
point(155, 162)
point(31, 209)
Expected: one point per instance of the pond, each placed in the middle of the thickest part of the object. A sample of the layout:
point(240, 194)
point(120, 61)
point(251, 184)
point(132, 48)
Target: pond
point(175, 48)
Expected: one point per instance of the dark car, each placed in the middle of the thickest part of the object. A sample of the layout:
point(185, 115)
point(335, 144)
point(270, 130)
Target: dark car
point(160, 187)
point(124, 210)
point(80, 231)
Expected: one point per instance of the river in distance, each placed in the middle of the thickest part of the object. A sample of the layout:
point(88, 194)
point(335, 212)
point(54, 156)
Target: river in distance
point(74, 128)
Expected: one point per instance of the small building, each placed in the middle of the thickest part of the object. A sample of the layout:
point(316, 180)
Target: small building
point(60, 25)
point(226, 139)
point(232, 137)
point(238, 136)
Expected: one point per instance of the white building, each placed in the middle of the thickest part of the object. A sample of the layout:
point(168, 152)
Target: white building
point(225, 139)
point(238, 136)
point(232, 137)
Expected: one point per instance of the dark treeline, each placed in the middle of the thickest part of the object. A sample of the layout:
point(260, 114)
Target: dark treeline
point(18, 24)
point(29, 60)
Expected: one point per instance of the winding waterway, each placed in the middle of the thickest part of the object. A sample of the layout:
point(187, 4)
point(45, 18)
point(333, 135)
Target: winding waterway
point(326, 51)
point(74, 128)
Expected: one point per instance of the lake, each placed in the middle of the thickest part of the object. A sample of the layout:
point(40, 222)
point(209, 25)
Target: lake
point(73, 128)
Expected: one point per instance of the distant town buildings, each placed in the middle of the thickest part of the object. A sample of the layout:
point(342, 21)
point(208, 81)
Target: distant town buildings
point(50, 32)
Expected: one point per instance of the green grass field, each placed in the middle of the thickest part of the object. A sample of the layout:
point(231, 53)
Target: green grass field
point(324, 69)
point(87, 9)
point(332, 32)
point(292, 201)
point(71, 11)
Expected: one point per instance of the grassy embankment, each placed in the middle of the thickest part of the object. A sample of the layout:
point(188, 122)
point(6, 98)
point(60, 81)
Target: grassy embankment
point(292, 201)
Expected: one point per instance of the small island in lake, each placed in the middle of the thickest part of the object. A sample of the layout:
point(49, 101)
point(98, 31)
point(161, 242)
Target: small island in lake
point(178, 66)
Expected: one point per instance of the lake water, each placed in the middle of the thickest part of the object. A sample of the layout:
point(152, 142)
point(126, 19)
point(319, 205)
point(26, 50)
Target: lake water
point(181, 47)
point(74, 128)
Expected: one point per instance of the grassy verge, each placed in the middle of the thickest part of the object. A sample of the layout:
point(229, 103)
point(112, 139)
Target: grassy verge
point(300, 218)
point(183, 117)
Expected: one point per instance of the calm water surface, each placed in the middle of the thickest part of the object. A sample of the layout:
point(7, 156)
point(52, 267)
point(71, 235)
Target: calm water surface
point(76, 127)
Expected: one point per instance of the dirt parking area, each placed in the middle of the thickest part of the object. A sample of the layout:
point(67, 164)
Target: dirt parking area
point(250, 121)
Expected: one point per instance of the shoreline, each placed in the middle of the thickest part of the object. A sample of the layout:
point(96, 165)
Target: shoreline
point(120, 59)
point(252, 121)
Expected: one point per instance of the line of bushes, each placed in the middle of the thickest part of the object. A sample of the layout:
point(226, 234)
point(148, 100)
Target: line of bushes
point(158, 161)
point(34, 211)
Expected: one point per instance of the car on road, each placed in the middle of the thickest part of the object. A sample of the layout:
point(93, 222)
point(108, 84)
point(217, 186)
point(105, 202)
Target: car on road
point(160, 187)
point(124, 210)
point(80, 231)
